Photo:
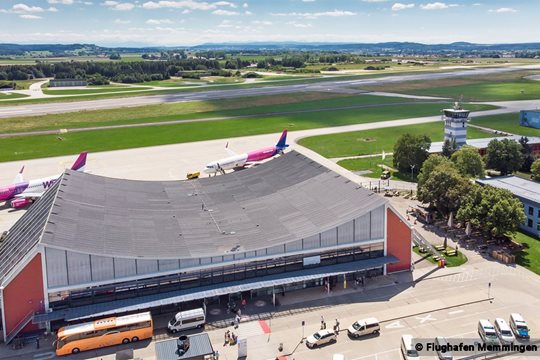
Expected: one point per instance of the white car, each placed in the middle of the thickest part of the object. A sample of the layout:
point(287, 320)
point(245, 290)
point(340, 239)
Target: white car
point(321, 337)
point(504, 332)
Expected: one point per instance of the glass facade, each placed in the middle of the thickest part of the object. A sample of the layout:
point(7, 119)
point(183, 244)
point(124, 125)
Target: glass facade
point(219, 275)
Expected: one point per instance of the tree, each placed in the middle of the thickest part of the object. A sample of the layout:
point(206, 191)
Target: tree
point(535, 169)
point(504, 155)
point(495, 211)
point(411, 150)
point(444, 188)
point(526, 150)
point(469, 162)
point(115, 56)
point(449, 147)
point(427, 167)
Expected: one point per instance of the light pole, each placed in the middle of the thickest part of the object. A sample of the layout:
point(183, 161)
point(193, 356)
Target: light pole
point(412, 171)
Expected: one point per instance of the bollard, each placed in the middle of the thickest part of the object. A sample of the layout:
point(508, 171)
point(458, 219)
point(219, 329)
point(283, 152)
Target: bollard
point(280, 348)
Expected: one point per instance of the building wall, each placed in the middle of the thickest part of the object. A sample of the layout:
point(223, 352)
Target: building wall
point(68, 268)
point(24, 294)
point(530, 119)
point(532, 223)
point(398, 242)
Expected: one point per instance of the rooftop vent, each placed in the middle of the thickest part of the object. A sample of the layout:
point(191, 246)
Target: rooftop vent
point(182, 344)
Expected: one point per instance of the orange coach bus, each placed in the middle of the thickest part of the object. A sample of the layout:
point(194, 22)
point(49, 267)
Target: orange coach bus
point(72, 339)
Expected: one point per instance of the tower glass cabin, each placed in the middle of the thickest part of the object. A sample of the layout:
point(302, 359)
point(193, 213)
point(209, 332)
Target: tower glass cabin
point(455, 125)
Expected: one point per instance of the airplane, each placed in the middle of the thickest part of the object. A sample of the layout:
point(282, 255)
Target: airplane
point(26, 192)
point(240, 161)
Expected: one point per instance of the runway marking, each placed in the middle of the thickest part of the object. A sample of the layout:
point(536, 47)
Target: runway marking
point(45, 355)
point(456, 312)
point(394, 325)
point(423, 319)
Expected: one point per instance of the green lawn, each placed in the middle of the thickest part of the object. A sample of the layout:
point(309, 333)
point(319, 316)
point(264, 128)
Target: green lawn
point(30, 147)
point(505, 122)
point(451, 261)
point(374, 141)
point(4, 96)
point(194, 110)
point(529, 257)
point(91, 90)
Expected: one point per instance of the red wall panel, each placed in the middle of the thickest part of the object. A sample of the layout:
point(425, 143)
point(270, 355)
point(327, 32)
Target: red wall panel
point(398, 242)
point(24, 294)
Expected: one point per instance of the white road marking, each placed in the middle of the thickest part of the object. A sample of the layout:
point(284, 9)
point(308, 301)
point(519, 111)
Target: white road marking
point(394, 325)
point(376, 355)
point(455, 312)
point(423, 319)
point(45, 355)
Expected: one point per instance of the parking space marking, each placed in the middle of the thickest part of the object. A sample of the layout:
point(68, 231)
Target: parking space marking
point(394, 325)
point(44, 355)
point(455, 312)
point(423, 319)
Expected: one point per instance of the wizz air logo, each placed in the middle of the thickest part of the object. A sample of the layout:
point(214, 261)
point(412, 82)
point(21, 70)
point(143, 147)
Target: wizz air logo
point(48, 184)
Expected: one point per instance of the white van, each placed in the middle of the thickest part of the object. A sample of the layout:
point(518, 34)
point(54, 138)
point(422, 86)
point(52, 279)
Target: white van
point(487, 333)
point(407, 349)
point(364, 327)
point(519, 326)
point(504, 332)
point(187, 320)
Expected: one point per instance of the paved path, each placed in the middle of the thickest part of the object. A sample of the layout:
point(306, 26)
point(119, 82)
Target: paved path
point(48, 108)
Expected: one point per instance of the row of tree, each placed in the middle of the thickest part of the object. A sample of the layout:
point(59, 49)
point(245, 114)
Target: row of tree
point(445, 181)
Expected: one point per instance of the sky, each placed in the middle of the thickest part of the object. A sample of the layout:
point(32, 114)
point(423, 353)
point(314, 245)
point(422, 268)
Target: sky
point(191, 22)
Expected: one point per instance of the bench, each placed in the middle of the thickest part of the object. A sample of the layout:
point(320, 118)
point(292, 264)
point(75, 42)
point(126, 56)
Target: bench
point(439, 247)
point(451, 253)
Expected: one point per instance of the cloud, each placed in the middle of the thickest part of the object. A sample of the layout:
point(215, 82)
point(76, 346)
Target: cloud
point(245, 5)
point(158, 21)
point(437, 6)
point(184, 4)
point(400, 6)
point(222, 12)
point(261, 22)
point(335, 13)
point(503, 10)
point(63, 2)
point(225, 3)
point(247, 12)
point(115, 5)
point(52, 9)
point(308, 0)
point(299, 25)
point(18, 8)
point(374, 1)
point(30, 17)
point(121, 22)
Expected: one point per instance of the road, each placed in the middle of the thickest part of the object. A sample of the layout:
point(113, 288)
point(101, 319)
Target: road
point(331, 86)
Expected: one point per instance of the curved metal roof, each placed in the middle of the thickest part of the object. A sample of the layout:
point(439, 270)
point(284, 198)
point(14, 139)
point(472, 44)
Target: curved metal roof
point(282, 200)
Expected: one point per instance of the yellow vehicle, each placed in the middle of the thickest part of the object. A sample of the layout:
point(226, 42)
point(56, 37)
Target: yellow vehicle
point(193, 175)
point(73, 339)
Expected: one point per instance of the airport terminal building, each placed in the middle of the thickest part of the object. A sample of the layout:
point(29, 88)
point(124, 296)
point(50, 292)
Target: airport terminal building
point(94, 246)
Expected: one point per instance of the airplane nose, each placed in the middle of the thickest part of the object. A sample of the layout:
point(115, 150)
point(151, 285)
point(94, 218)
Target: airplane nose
point(209, 170)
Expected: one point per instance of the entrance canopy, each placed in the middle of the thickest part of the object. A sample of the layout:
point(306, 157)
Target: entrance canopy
point(203, 292)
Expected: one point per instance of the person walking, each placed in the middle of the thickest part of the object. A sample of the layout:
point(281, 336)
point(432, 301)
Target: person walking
point(336, 327)
point(216, 355)
point(322, 322)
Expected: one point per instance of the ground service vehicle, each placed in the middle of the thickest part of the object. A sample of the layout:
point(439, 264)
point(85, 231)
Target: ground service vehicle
point(519, 326)
point(487, 333)
point(321, 337)
point(73, 339)
point(193, 175)
point(364, 327)
point(504, 332)
point(407, 349)
point(187, 320)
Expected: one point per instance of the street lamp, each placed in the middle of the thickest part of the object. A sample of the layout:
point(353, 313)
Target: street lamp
point(412, 171)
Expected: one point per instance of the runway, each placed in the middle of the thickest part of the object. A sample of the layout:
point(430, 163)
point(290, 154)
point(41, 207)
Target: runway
point(330, 86)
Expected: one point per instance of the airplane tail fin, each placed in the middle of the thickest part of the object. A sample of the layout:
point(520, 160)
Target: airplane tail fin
point(80, 163)
point(282, 141)
point(19, 177)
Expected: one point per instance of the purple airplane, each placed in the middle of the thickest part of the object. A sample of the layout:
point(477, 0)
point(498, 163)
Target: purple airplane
point(26, 192)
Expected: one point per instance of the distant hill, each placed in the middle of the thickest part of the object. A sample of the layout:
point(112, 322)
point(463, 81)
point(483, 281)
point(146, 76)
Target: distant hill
point(67, 50)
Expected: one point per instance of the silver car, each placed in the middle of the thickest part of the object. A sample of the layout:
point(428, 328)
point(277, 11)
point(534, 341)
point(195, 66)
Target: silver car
point(321, 337)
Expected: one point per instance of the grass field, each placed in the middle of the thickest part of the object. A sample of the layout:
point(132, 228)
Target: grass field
point(451, 261)
point(193, 110)
point(173, 82)
point(5, 96)
point(495, 87)
point(507, 123)
point(29, 147)
point(91, 90)
point(529, 257)
point(372, 164)
point(374, 141)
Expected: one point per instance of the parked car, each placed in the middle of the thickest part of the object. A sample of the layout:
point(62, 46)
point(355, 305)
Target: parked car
point(185, 320)
point(321, 337)
point(487, 333)
point(504, 332)
point(446, 355)
point(519, 326)
point(407, 349)
point(364, 327)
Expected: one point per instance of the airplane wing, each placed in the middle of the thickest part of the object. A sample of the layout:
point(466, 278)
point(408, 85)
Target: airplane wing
point(29, 196)
point(19, 177)
point(229, 151)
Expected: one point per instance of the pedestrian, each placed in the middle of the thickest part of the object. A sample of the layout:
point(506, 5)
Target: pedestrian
point(337, 326)
point(324, 325)
point(322, 322)
point(244, 303)
point(239, 312)
point(227, 337)
point(37, 343)
point(216, 355)
point(236, 321)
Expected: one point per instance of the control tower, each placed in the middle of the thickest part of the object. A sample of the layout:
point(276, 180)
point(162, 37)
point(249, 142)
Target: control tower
point(455, 124)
